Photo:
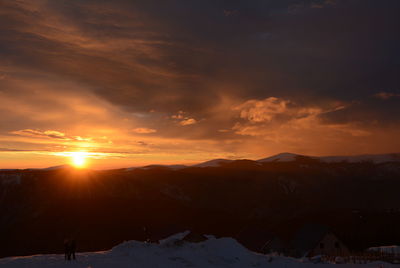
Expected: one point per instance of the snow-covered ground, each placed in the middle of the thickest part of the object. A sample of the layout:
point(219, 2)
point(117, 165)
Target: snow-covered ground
point(171, 253)
point(387, 249)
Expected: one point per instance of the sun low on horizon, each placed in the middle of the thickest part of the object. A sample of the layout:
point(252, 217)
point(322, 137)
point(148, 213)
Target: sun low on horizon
point(79, 159)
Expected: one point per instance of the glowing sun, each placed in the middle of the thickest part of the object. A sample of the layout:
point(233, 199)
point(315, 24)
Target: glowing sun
point(78, 159)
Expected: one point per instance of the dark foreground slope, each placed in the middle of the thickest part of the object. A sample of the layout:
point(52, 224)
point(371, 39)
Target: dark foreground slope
point(244, 199)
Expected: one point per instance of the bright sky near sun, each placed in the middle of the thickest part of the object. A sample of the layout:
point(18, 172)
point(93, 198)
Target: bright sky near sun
point(79, 159)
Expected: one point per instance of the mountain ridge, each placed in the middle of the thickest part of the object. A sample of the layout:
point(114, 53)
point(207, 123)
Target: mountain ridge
point(275, 196)
point(281, 157)
point(289, 157)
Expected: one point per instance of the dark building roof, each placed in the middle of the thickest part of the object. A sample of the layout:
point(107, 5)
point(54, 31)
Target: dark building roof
point(308, 237)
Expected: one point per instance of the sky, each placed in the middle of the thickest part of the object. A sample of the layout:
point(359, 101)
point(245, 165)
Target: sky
point(129, 83)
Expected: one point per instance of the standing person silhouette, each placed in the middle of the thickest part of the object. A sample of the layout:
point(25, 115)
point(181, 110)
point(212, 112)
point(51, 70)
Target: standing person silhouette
point(67, 255)
point(72, 248)
point(69, 249)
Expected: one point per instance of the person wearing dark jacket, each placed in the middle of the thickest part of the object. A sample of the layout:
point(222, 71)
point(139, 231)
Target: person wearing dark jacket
point(66, 249)
point(69, 249)
point(72, 248)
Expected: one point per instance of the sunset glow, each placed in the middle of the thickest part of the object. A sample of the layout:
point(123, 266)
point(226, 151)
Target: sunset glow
point(78, 159)
point(145, 85)
point(230, 123)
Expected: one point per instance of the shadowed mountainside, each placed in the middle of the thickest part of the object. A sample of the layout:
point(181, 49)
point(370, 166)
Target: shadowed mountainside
point(244, 199)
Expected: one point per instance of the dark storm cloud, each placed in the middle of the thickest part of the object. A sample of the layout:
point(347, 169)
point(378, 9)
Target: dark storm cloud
point(371, 111)
point(173, 55)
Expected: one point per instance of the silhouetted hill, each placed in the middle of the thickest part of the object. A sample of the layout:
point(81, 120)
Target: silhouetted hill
point(39, 208)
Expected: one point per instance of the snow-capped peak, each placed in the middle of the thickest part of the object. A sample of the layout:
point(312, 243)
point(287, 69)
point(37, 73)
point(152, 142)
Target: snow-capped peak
point(213, 163)
point(282, 157)
point(374, 158)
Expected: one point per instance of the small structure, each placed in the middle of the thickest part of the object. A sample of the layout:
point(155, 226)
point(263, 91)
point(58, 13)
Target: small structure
point(314, 240)
point(309, 241)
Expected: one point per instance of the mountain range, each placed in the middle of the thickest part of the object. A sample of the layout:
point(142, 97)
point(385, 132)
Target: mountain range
point(289, 157)
point(248, 200)
point(282, 157)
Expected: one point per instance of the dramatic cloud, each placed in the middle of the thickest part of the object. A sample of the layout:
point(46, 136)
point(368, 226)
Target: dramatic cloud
point(283, 120)
point(264, 110)
point(150, 79)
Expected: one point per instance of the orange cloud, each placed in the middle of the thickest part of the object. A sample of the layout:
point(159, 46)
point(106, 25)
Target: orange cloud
point(53, 134)
point(295, 127)
point(183, 119)
point(262, 110)
point(188, 121)
point(143, 130)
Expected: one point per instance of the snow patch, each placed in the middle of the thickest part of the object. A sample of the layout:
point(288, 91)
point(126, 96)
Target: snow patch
point(221, 252)
point(283, 157)
point(386, 249)
point(171, 167)
point(213, 163)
